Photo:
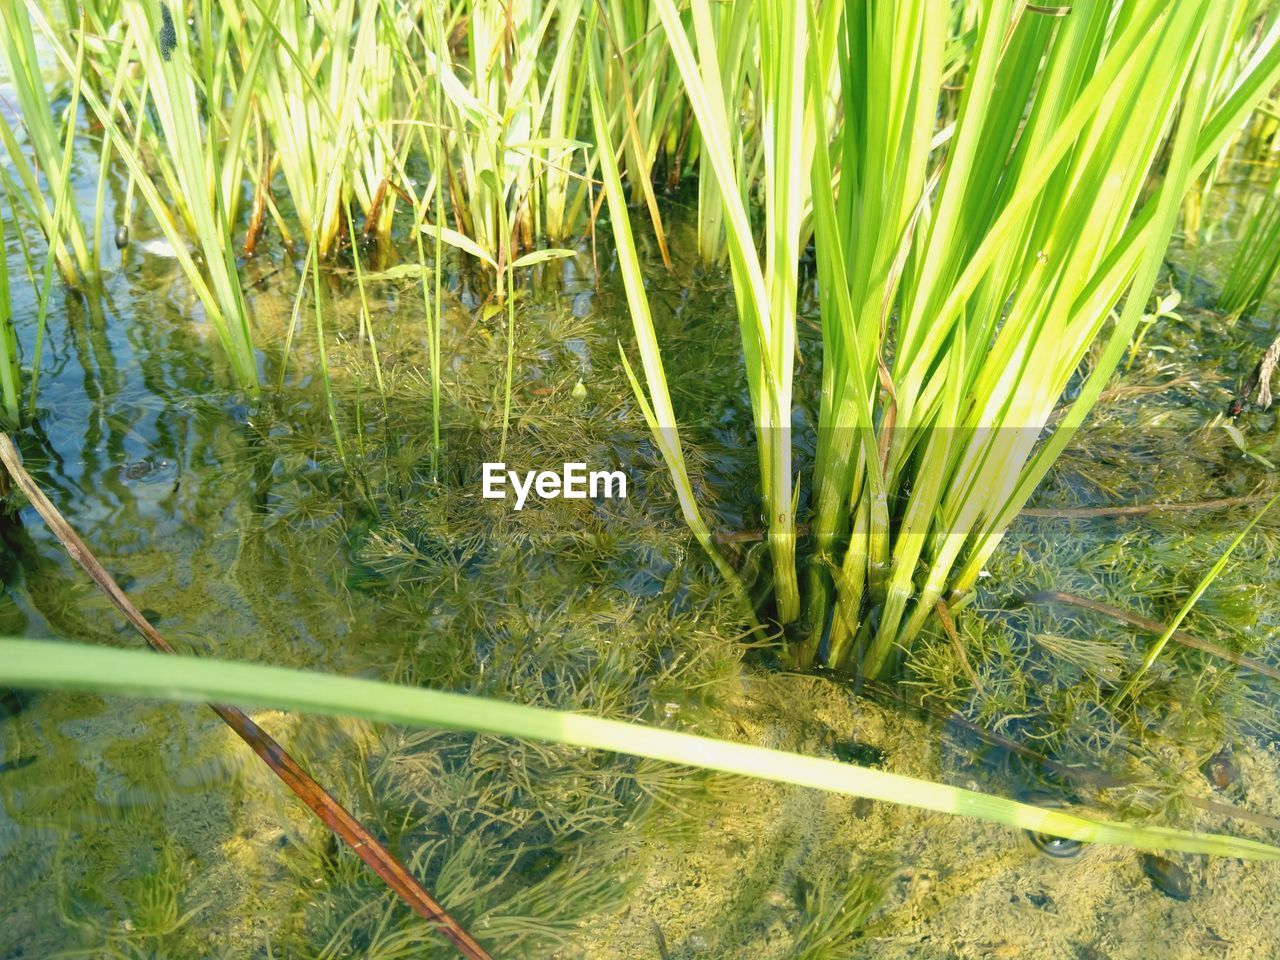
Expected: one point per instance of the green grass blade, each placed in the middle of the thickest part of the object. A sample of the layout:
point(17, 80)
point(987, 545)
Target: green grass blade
point(766, 292)
point(49, 665)
point(10, 383)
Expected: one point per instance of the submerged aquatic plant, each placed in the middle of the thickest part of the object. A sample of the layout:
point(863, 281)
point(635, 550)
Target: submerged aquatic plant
point(1205, 582)
point(963, 273)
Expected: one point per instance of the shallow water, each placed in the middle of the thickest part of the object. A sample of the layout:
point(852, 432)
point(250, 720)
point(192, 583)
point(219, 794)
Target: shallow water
point(143, 829)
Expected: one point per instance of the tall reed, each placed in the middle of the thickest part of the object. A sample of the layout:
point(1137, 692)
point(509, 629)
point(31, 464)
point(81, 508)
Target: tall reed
point(1256, 261)
point(566, 84)
point(766, 288)
point(192, 148)
point(190, 153)
point(329, 65)
point(509, 129)
point(1249, 141)
point(10, 374)
point(17, 42)
point(963, 271)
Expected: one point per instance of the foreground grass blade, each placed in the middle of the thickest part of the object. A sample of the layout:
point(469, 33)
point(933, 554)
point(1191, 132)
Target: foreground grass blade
point(46, 665)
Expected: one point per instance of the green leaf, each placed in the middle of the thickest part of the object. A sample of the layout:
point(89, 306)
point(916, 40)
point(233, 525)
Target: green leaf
point(541, 256)
point(49, 665)
point(461, 242)
point(1236, 437)
point(401, 271)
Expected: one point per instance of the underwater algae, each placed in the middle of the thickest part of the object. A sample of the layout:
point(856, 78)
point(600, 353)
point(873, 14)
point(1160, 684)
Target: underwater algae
point(243, 571)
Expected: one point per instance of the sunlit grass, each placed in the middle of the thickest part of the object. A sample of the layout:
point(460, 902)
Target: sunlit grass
point(46, 665)
point(978, 195)
point(192, 154)
point(963, 272)
point(46, 140)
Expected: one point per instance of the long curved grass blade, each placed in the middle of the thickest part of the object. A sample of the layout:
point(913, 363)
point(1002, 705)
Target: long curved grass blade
point(50, 665)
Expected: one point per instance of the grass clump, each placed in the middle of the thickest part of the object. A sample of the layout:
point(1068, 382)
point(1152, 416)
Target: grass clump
point(1255, 263)
point(952, 331)
point(59, 220)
